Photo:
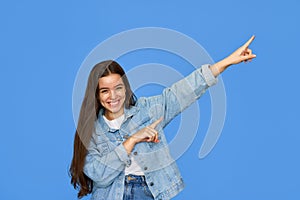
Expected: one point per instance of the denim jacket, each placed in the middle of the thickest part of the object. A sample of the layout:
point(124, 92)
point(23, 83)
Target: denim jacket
point(107, 158)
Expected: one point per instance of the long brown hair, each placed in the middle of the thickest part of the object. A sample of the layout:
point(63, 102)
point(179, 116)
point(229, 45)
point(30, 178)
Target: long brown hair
point(88, 115)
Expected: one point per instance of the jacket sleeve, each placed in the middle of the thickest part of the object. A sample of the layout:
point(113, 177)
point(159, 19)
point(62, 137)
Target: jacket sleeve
point(103, 163)
point(180, 95)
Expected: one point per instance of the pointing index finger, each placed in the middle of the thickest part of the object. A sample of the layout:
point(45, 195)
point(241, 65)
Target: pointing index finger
point(249, 41)
point(154, 124)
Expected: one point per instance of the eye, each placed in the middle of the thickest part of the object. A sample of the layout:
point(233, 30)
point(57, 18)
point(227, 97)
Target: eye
point(119, 88)
point(103, 91)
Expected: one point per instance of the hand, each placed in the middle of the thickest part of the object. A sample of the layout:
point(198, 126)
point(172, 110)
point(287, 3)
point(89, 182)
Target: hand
point(242, 54)
point(147, 134)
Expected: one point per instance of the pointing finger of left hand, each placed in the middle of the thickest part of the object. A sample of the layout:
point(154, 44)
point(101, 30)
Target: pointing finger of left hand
point(249, 42)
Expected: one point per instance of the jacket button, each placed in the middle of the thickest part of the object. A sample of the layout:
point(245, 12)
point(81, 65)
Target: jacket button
point(145, 168)
point(151, 184)
point(135, 153)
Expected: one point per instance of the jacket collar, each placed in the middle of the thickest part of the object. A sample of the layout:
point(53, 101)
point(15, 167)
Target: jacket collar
point(128, 112)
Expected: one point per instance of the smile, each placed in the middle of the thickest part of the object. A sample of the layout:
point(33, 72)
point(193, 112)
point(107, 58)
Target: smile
point(114, 103)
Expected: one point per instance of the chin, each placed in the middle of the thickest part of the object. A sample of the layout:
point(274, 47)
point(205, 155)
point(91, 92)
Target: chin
point(114, 110)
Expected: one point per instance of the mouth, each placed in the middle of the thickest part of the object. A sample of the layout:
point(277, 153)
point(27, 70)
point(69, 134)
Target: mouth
point(113, 103)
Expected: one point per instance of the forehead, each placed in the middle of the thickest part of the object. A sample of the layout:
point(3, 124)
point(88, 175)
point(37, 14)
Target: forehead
point(110, 81)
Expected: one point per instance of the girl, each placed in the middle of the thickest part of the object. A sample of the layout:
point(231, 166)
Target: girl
point(120, 151)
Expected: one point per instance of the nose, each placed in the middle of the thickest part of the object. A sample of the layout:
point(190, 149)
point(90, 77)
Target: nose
point(112, 94)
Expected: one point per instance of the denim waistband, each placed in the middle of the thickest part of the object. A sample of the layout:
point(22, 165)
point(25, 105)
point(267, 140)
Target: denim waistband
point(130, 178)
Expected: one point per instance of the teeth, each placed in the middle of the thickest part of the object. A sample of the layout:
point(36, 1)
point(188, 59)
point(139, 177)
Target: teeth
point(114, 103)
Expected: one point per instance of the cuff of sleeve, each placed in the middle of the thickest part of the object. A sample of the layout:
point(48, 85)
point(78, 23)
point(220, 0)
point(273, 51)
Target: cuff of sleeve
point(208, 76)
point(122, 154)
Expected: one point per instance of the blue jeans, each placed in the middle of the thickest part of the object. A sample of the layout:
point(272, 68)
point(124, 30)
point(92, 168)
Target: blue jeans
point(136, 188)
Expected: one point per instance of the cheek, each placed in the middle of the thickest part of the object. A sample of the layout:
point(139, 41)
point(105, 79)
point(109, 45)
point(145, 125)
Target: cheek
point(102, 98)
point(122, 93)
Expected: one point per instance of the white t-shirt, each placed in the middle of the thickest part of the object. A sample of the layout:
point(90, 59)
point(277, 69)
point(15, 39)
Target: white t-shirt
point(134, 168)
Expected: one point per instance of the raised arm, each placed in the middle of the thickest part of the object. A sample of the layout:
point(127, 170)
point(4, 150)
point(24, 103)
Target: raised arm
point(183, 93)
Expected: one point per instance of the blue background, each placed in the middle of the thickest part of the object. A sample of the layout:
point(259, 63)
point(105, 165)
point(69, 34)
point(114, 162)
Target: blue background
point(43, 44)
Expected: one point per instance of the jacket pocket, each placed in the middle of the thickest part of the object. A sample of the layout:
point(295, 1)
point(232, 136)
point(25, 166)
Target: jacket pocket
point(103, 148)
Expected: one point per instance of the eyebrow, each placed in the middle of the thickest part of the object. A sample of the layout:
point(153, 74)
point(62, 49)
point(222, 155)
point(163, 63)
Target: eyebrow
point(103, 88)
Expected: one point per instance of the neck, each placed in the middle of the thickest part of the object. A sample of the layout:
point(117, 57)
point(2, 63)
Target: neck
point(112, 116)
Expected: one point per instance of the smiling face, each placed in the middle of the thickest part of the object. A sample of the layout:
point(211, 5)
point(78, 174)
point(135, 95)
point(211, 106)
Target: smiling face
point(112, 95)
